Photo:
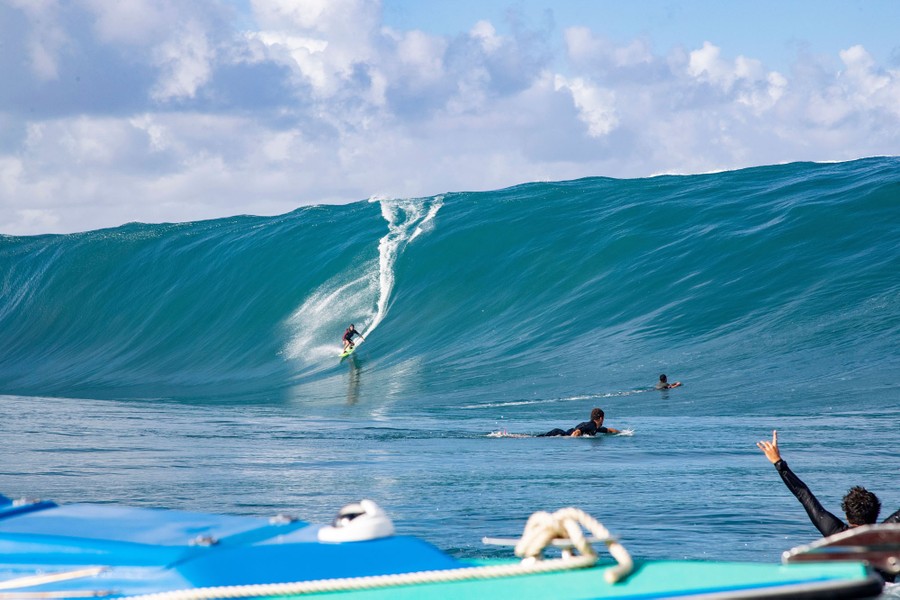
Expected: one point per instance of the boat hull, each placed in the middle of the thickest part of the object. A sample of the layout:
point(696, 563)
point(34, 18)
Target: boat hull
point(84, 550)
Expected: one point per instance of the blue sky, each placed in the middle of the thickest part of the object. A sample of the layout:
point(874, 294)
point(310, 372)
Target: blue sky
point(770, 30)
point(163, 110)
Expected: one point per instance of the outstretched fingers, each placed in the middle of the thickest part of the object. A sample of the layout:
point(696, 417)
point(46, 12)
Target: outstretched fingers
point(770, 449)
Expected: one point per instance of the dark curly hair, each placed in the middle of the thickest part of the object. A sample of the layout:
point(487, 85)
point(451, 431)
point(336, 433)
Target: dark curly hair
point(596, 414)
point(861, 506)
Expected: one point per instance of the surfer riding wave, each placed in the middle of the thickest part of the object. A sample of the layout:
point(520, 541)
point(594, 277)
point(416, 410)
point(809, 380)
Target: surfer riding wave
point(348, 337)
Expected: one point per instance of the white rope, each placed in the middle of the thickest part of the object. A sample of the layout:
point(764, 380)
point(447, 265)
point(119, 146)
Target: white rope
point(62, 595)
point(371, 582)
point(33, 580)
point(542, 528)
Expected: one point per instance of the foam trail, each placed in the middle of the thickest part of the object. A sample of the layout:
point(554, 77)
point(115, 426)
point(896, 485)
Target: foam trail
point(505, 434)
point(317, 324)
point(551, 400)
point(407, 219)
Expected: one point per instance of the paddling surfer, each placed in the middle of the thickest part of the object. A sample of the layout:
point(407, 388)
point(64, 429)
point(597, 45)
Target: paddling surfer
point(663, 383)
point(348, 337)
point(592, 427)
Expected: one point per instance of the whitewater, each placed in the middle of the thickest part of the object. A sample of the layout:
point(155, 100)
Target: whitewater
point(194, 365)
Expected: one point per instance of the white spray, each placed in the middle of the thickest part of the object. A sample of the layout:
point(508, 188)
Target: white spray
point(364, 295)
point(407, 219)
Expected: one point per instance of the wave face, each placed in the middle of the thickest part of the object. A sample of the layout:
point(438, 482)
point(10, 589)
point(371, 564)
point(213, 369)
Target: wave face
point(766, 289)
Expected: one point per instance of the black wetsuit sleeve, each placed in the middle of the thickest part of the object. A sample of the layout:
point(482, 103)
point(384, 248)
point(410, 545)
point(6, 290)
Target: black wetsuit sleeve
point(602, 430)
point(586, 428)
point(825, 522)
point(894, 518)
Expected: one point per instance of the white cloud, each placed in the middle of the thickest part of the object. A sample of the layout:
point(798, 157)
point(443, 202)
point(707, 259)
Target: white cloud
point(707, 65)
point(302, 54)
point(303, 101)
point(136, 22)
point(596, 106)
point(422, 51)
point(326, 38)
point(185, 64)
point(486, 34)
point(744, 78)
point(158, 135)
point(334, 48)
point(47, 38)
point(860, 70)
point(585, 48)
point(308, 14)
point(37, 219)
point(859, 104)
point(866, 85)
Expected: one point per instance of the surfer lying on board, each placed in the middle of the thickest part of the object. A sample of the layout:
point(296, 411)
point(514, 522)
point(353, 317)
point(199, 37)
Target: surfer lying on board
point(592, 427)
point(664, 384)
point(348, 336)
point(859, 504)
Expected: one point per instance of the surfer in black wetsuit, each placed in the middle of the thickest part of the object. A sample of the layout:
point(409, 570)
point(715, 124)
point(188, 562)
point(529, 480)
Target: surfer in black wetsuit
point(348, 337)
point(592, 427)
point(663, 383)
point(859, 504)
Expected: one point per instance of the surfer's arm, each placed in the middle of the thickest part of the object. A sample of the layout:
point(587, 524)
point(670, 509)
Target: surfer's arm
point(894, 518)
point(825, 522)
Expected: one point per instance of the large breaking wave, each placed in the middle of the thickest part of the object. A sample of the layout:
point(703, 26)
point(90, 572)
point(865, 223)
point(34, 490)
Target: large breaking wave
point(764, 285)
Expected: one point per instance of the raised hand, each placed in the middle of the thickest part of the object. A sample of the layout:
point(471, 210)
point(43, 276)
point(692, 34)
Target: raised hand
point(770, 448)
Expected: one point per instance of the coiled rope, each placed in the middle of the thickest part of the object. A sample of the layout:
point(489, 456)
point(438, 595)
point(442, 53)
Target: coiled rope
point(543, 528)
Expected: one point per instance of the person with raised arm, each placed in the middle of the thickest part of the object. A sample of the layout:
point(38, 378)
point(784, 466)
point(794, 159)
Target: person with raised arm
point(860, 506)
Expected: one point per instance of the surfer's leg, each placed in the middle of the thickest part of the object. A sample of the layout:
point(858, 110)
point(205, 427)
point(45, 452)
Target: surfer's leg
point(553, 432)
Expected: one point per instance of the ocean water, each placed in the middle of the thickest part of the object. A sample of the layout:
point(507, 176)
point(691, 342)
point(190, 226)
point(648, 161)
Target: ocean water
point(194, 365)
